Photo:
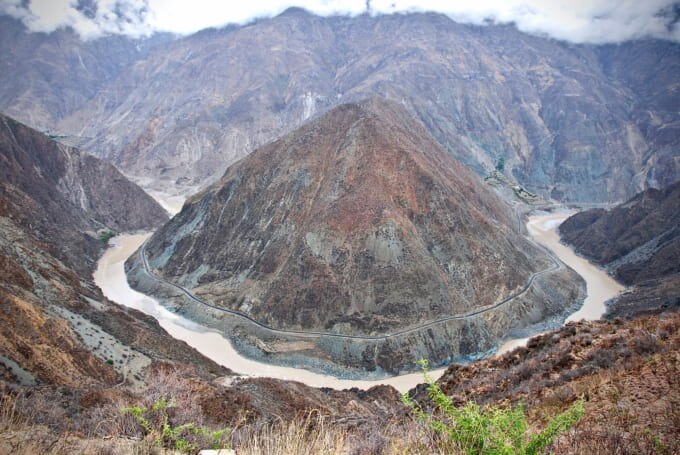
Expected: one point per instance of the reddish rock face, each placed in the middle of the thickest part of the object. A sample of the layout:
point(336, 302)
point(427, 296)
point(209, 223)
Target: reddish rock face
point(357, 222)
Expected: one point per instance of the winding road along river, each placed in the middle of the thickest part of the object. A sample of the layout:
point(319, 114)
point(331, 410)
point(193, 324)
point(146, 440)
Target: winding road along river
point(110, 277)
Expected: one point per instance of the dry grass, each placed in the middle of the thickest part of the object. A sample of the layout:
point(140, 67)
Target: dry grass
point(627, 371)
point(317, 435)
point(311, 434)
point(10, 418)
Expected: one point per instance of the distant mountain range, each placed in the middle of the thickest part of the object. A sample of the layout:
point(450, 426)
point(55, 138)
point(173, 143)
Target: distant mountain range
point(572, 122)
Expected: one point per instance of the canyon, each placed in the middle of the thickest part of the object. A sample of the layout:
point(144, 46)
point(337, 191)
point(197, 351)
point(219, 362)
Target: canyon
point(638, 242)
point(110, 277)
point(58, 328)
point(261, 230)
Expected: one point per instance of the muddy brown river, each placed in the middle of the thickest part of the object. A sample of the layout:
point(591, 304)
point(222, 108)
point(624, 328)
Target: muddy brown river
point(110, 277)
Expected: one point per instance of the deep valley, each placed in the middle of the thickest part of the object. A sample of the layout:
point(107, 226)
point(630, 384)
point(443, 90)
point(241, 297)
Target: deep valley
point(361, 233)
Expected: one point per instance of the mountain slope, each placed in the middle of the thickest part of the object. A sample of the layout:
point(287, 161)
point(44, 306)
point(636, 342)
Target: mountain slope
point(357, 223)
point(627, 372)
point(638, 242)
point(47, 77)
point(65, 196)
point(574, 122)
point(57, 327)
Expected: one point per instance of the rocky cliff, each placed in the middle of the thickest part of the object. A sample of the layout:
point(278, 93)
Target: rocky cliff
point(638, 242)
point(357, 223)
point(573, 122)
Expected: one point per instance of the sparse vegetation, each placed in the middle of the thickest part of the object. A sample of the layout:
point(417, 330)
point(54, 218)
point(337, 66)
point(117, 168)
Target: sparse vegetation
point(312, 434)
point(9, 417)
point(500, 165)
point(158, 424)
point(490, 430)
point(105, 236)
point(625, 371)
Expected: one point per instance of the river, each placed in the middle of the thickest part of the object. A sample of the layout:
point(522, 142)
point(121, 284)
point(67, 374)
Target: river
point(110, 277)
point(600, 287)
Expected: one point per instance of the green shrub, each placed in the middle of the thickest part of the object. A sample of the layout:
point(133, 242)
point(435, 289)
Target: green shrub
point(105, 236)
point(489, 430)
point(157, 422)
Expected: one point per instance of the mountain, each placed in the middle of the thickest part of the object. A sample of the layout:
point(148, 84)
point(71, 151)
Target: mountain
point(57, 327)
point(65, 197)
point(572, 122)
point(638, 242)
point(359, 223)
point(47, 77)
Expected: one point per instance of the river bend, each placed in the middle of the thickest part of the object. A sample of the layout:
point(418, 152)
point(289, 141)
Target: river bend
point(110, 277)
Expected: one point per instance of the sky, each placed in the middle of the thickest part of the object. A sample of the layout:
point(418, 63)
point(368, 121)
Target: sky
point(579, 21)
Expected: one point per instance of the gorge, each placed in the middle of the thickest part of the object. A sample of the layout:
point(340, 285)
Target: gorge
point(339, 234)
point(354, 229)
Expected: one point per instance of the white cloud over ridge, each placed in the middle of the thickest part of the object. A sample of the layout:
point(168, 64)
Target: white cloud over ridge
point(89, 18)
point(579, 21)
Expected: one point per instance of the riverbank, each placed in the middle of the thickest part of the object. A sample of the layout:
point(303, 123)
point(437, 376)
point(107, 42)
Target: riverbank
point(600, 287)
point(110, 277)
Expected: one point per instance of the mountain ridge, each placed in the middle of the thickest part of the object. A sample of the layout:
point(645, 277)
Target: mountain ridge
point(572, 122)
point(638, 242)
point(48, 186)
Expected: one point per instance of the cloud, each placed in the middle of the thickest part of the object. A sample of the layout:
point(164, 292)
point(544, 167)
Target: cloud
point(89, 18)
point(580, 21)
point(184, 16)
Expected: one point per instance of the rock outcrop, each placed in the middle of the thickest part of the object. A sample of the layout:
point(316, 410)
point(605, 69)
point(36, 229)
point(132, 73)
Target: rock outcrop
point(638, 242)
point(360, 224)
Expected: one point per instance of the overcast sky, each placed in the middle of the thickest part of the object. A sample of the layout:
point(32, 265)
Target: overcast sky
point(593, 21)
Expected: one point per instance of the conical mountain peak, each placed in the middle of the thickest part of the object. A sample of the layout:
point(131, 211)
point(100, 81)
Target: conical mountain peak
point(358, 222)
